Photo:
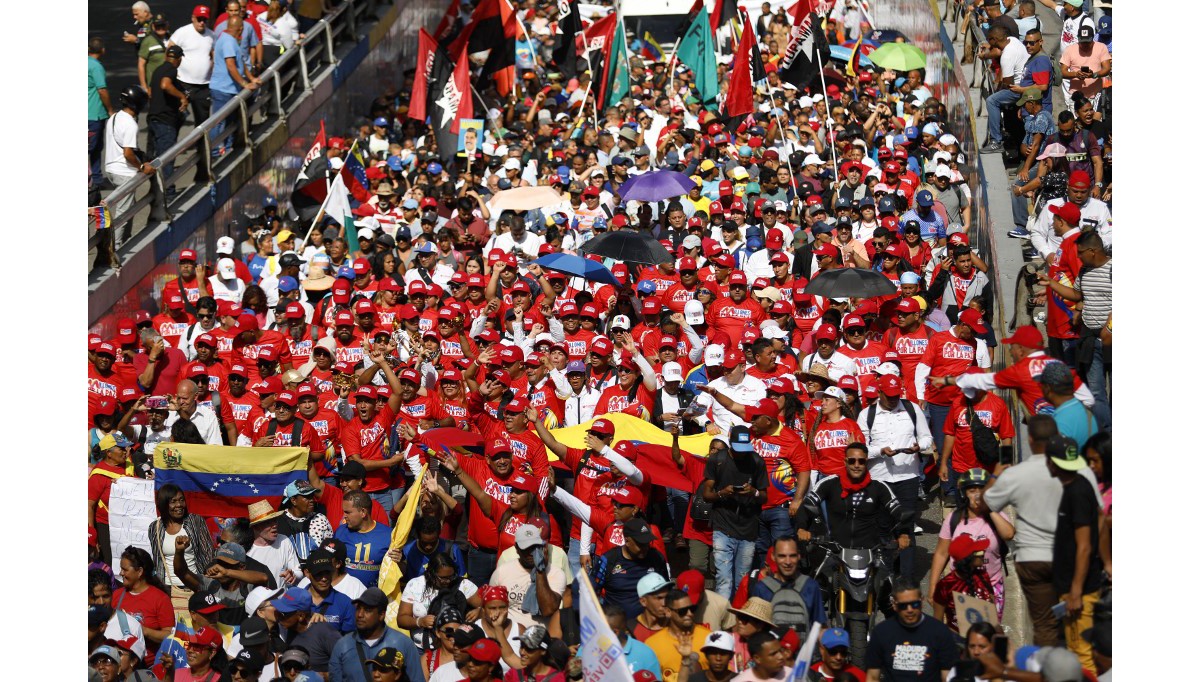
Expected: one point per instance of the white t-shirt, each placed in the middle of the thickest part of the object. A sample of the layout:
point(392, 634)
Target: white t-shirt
point(516, 577)
point(277, 557)
point(168, 553)
point(420, 596)
point(196, 67)
point(120, 132)
point(1012, 59)
point(350, 586)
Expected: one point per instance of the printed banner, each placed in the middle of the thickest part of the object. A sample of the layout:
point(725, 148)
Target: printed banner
point(130, 513)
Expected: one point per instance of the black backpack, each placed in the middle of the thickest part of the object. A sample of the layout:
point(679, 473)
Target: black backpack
point(987, 443)
point(908, 407)
point(297, 430)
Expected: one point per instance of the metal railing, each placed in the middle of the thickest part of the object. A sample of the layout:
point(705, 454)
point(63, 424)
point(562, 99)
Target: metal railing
point(248, 119)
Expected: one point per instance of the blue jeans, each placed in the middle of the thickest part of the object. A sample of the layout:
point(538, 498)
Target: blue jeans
point(219, 100)
point(1097, 376)
point(937, 421)
point(481, 563)
point(95, 154)
point(733, 558)
point(774, 523)
point(573, 551)
point(995, 102)
point(1020, 210)
point(677, 507)
point(163, 137)
point(906, 493)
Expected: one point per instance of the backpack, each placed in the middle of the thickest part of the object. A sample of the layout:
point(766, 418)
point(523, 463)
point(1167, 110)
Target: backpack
point(987, 443)
point(956, 518)
point(908, 407)
point(787, 604)
point(297, 430)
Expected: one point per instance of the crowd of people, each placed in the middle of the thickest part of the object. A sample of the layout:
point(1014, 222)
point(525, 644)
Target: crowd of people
point(829, 421)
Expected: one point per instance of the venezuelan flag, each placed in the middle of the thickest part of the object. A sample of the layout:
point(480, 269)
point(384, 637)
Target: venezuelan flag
point(628, 427)
point(355, 170)
point(103, 217)
point(222, 481)
point(650, 48)
point(855, 53)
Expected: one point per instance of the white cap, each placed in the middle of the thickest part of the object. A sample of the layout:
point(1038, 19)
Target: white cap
point(225, 245)
point(259, 595)
point(671, 371)
point(941, 156)
point(691, 242)
point(714, 355)
point(773, 331)
point(812, 159)
point(366, 233)
point(948, 139)
point(789, 86)
point(226, 269)
point(693, 312)
point(818, 97)
point(512, 164)
point(370, 222)
point(943, 171)
point(805, 101)
point(544, 336)
point(718, 641)
point(887, 368)
point(831, 392)
point(622, 322)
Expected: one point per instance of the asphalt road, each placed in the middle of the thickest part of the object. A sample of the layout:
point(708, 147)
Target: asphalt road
point(108, 20)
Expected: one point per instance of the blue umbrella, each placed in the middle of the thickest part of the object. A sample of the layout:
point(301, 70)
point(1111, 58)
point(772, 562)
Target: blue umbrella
point(578, 267)
point(656, 186)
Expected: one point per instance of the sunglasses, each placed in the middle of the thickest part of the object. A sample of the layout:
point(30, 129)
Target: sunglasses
point(856, 460)
point(686, 610)
point(449, 632)
point(624, 370)
point(202, 316)
point(855, 331)
point(839, 651)
point(906, 605)
point(1031, 42)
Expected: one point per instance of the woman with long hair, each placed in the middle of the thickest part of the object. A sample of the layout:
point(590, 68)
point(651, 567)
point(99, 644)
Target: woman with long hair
point(174, 520)
point(425, 595)
point(255, 300)
point(832, 433)
point(143, 596)
point(451, 394)
point(1098, 452)
point(972, 517)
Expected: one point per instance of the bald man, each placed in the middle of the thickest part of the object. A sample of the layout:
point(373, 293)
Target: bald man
point(183, 405)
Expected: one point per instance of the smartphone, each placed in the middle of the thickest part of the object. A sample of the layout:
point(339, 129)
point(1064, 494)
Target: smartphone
point(156, 402)
point(1000, 647)
point(1059, 610)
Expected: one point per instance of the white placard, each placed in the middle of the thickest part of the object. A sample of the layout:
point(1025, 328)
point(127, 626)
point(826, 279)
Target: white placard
point(130, 512)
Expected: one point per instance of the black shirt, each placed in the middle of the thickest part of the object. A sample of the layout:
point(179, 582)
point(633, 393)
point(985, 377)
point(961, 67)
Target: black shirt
point(737, 515)
point(918, 653)
point(1077, 508)
point(163, 106)
point(318, 640)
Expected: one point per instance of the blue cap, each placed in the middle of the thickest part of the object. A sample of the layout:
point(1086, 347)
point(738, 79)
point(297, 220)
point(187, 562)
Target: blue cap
point(395, 163)
point(924, 199)
point(576, 366)
point(744, 150)
point(435, 168)
point(887, 204)
point(381, 122)
point(426, 247)
point(1104, 25)
point(409, 203)
point(559, 218)
point(563, 172)
point(822, 227)
point(739, 439)
point(931, 129)
point(295, 599)
point(912, 133)
point(302, 488)
point(347, 272)
point(646, 287)
point(503, 183)
point(402, 232)
point(835, 637)
point(287, 284)
point(622, 161)
point(268, 202)
point(910, 278)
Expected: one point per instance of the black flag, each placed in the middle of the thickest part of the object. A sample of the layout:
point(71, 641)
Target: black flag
point(807, 49)
point(569, 23)
point(449, 100)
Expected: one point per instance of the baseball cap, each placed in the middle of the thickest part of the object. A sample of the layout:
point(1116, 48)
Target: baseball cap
point(373, 597)
point(1057, 664)
point(766, 407)
point(831, 392)
point(651, 582)
point(672, 371)
point(528, 535)
point(832, 637)
point(1064, 452)
point(294, 600)
point(1028, 336)
point(485, 650)
point(204, 602)
point(973, 319)
point(965, 545)
point(889, 385)
point(301, 488)
point(739, 439)
point(1068, 211)
point(254, 629)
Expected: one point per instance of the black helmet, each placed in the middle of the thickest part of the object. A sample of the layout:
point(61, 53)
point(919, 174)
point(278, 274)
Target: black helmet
point(133, 97)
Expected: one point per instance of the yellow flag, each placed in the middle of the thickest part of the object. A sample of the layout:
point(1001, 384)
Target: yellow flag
point(628, 427)
point(389, 571)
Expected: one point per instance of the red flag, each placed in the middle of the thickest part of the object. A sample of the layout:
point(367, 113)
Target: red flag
point(722, 12)
point(493, 27)
point(740, 98)
point(599, 40)
point(446, 26)
point(657, 465)
point(318, 146)
point(505, 79)
point(425, 47)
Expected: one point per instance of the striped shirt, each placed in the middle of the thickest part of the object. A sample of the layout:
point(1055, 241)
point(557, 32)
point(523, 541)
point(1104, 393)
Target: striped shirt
point(1096, 286)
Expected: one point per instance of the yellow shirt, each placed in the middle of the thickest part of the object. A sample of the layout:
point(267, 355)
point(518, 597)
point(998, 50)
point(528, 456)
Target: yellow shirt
point(664, 645)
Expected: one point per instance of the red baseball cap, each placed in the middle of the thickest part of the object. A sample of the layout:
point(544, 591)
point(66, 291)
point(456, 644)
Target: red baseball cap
point(1069, 212)
point(782, 308)
point(853, 320)
point(294, 311)
point(908, 305)
point(195, 369)
point(766, 407)
point(268, 353)
point(269, 386)
point(737, 205)
point(826, 332)
point(364, 307)
point(1027, 336)
point(516, 405)
point(201, 11)
point(367, 392)
point(687, 263)
point(187, 255)
point(286, 398)
point(774, 239)
point(510, 354)
point(737, 277)
point(175, 301)
point(343, 319)
point(126, 331)
point(848, 383)
point(629, 496)
point(602, 346)
point(724, 260)
point(724, 188)
point(651, 306)
point(889, 385)
point(568, 308)
point(894, 250)
point(960, 238)
point(305, 390)
point(973, 319)
point(825, 250)
point(406, 312)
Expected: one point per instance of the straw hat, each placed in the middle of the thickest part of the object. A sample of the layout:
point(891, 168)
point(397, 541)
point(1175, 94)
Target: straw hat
point(757, 608)
point(261, 511)
point(817, 371)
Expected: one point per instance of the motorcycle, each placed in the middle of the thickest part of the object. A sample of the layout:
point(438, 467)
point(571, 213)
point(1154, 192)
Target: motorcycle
point(854, 583)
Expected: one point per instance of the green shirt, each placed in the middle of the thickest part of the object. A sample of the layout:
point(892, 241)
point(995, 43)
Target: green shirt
point(97, 80)
point(154, 51)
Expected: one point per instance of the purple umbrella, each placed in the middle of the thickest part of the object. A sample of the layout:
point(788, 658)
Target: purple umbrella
point(656, 186)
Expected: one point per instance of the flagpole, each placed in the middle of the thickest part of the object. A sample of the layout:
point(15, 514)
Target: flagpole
point(495, 128)
point(321, 211)
point(528, 41)
point(624, 41)
point(828, 111)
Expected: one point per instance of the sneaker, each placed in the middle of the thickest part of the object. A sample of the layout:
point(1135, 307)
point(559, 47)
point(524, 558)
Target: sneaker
point(1020, 233)
point(991, 148)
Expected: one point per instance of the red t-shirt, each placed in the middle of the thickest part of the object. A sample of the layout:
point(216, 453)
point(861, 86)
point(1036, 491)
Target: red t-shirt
point(784, 455)
point(419, 408)
point(190, 289)
point(676, 296)
point(992, 412)
point(608, 532)
point(693, 470)
point(946, 355)
point(733, 318)
point(309, 437)
point(166, 371)
point(331, 497)
point(101, 386)
point(152, 608)
point(1065, 270)
point(171, 329)
point(369, 441)
point(616, 399)
point(591, 480)
point(1024, 376)
point(328, 426)
point(828, 446)
point(911, 348)
point(99, 486)
point(246, 410)
point(579, 343)
point(506, 536)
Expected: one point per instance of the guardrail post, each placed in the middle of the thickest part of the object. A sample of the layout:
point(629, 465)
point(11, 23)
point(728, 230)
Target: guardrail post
point(206, 158)
point(158, 189)
point(278, 90)
point(245, 116)
point(329, 55)
point(353, 20)
point(304, 79)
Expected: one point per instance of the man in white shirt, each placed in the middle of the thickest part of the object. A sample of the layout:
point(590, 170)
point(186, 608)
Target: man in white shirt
point(1013, 56)
point(195, 70)
point(579, 399)
point(1093, 214)
point(735, 384)
point(273, 550)
point(122, 159)
point(204, 419)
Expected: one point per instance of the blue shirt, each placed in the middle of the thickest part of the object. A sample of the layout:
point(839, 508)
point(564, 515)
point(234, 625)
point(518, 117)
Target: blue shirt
point(932, 227)
point(338, 611)
point(1040, 64)
point(415, 560)
point(1074, 420)
point(346, 666)
point(365, 551)
point(225, 48)
point(1039, 123)
point(641, 657)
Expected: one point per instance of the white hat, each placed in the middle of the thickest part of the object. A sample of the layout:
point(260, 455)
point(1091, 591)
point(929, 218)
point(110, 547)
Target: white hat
point(948, 139)
point(225, 245)
point(621, 321)
point(671, 371)
point(512, 164)
point(259, 595)
point(693, 312)
point(805, 101)
point(831, 392)
point(544, 336)
point(369, 222)
point(943, 171)
point(817, 97)
point(718, 641)
point(887, 368)
point(773, 331)
point(943, 156)
point(714, 355)
point(691, 242)
point(528, 535)
point(789, 86)
point(812, 159)
point(226, 269)
point(366, 233)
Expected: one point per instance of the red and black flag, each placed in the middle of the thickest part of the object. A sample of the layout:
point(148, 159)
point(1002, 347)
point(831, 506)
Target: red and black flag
point(722, 12)
point(450, 100)
point(570, 26)
point(493, 29)
point(426, 46)
point(597, 43)
point(450, 24)
point(807, 48)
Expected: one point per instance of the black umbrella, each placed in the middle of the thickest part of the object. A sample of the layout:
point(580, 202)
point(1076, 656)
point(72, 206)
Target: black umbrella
point(847, 282)
point(628, 246)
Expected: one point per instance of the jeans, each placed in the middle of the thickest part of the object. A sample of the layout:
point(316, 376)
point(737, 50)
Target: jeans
point(906, 493)
point(481, 563)
point(1096, 375)
point(995, 102)
point(774, 523)
point(733, 558)
point(95, 154)
point(937, 421)
point(1020, 211)
point(677, 507)
point(1038, 588)
point(386, 499)
point(573, 551)
point(1062, 349)
point(219, 100)
point(162, 137)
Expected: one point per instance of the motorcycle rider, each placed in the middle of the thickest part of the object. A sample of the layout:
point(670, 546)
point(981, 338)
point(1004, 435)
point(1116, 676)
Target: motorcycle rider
point(856, 507)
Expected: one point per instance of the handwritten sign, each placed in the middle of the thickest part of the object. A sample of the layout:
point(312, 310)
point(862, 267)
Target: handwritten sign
point(972, 610)
point(130, 512)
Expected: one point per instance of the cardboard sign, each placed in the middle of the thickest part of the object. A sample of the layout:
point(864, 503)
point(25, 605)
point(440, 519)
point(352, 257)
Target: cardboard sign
point(972, 610)
point(130, 512)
